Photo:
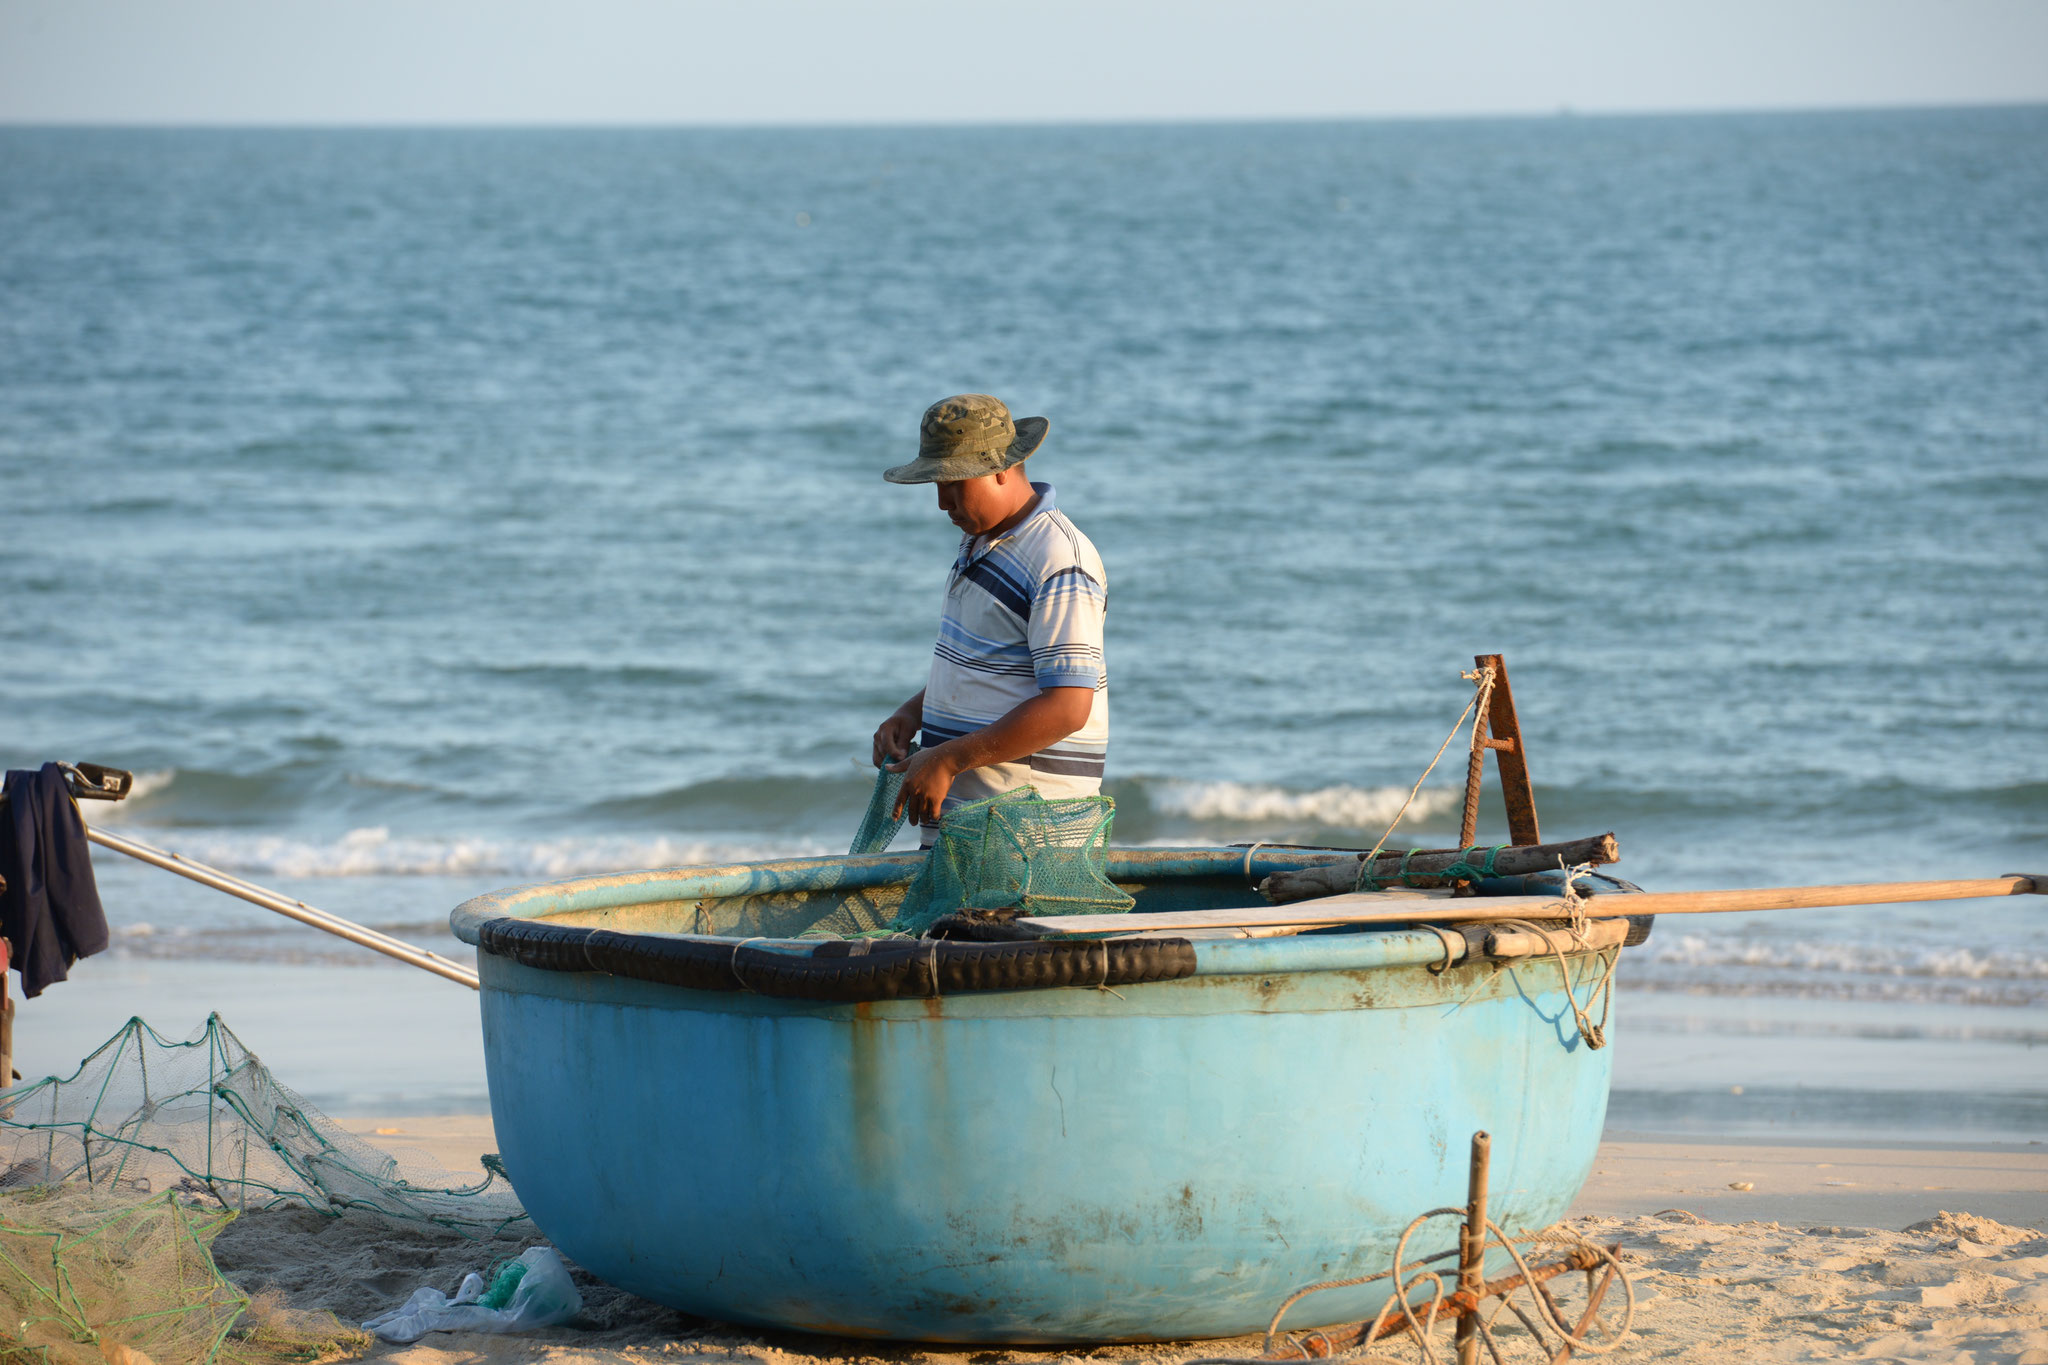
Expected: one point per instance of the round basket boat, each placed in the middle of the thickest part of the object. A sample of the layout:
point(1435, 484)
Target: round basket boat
point(1050, 1142)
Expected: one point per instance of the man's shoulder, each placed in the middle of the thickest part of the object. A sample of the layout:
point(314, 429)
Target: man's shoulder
point(1052, 544)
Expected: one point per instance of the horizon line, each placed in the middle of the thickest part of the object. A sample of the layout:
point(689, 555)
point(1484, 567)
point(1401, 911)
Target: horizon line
point(1560, 113)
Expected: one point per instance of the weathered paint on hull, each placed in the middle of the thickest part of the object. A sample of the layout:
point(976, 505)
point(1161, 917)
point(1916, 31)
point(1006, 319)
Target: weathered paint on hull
point(1163, 1162)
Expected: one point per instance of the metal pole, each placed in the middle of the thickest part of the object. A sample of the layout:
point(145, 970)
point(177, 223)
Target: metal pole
point(1472, 1250)
point(291, 909)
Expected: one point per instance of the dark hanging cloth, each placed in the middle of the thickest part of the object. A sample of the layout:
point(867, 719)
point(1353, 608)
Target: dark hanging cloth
point(50, 911)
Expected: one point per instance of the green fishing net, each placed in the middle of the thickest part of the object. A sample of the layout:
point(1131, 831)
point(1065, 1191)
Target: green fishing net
point(144, 1115)
point(1017, 849)
point(90, 1277)
point(882, 820)
point(115, 1180)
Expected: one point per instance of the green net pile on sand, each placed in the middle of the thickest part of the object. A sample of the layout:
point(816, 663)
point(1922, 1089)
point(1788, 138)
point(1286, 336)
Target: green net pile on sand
point(116, 1181)
point(88, 1277)
point(204, 1117)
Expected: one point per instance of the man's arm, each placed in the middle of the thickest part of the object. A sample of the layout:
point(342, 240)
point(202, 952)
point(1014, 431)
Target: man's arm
point(1027, 727)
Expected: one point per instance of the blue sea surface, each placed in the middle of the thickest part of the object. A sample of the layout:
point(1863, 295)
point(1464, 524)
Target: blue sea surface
point(424, 512)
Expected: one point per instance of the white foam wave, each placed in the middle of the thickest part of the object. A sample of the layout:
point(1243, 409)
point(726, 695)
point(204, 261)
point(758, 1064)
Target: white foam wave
point(112, 812)
point(1341, 807)
point(374, 852)
point(1864, 958)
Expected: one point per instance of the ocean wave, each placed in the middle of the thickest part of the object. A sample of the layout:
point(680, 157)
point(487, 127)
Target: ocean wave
point(1849, 958)
point(773, 799)
point(1342, 807)
point(146, 785)
point(779, 801)
point(796, 804)
point(277, 942)
point(376, 852)
point(207, 797)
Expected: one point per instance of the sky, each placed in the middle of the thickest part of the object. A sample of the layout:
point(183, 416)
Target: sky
point(576, 62)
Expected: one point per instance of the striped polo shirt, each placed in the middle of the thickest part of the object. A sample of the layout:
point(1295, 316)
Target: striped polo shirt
point(1023, 612)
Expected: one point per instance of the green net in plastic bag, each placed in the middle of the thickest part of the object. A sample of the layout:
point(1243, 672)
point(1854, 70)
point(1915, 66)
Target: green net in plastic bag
point(1017, 849)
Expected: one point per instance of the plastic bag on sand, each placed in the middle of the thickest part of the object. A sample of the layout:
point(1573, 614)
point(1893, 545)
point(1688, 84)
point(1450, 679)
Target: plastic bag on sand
point(540, 1295)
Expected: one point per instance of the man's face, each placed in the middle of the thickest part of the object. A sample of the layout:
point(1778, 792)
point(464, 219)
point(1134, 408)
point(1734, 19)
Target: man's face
point(977, 506)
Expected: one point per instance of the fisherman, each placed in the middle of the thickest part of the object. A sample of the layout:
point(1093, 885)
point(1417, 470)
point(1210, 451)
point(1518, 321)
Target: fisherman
point(1018, 694)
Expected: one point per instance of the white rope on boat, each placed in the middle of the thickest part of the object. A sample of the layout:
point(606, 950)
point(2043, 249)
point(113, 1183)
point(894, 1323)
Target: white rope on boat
point(1483, 677)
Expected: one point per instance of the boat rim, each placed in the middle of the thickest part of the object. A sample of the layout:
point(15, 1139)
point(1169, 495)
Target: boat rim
point(1353, 950)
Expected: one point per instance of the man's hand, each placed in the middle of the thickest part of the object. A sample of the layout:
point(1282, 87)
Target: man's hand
point(927, 776)
point(893, 739)
point(894, 736)
point(1027, 727)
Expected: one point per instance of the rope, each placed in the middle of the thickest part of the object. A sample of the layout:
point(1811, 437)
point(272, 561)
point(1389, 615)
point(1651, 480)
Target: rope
point(1475, 766)
point(1547, 1314)
point(1463, 870)
point(1575, 907)
point(1273, 1328)
point(1369, 883)
point(1595, 1035)
point(1103, 985)
point(1484, 677)
point(1454, 947)
point(1436, 1288)
point(735, 962)
point(1549, 1306)
point(1256, 846)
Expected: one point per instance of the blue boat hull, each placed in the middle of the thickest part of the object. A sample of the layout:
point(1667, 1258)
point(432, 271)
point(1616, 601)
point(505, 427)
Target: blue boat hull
point(1163, 1161)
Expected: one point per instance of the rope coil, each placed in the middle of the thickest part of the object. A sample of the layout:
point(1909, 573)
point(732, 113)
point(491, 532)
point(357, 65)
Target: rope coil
point(1548, 1318)
point(1594, 1034)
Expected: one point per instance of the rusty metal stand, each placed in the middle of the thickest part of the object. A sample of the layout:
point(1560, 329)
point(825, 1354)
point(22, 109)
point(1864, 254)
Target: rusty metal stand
point(1465, 1304)
point(1599, 1292)
point(1498, 729)
point(1472, 1249)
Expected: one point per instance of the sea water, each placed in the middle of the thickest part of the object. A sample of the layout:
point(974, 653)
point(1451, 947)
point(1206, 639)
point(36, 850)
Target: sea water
point(419, 513)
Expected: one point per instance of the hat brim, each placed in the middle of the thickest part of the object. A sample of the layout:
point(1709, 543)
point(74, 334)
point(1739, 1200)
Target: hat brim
point(953, 468)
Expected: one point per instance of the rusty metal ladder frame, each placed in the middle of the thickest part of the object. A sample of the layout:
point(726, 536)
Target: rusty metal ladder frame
point(1498, 729)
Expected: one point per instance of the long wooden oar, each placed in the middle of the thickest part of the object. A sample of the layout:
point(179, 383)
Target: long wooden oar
point(1373, 907)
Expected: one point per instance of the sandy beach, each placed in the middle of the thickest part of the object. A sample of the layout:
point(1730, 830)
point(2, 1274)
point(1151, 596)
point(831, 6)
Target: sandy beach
point(1739, 1251)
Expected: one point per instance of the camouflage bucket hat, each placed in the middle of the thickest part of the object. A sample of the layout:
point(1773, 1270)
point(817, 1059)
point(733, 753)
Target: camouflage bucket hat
point(966, 436)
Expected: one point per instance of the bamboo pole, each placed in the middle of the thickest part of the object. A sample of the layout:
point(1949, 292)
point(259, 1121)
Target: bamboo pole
point(369, 938)
point(1369, 907)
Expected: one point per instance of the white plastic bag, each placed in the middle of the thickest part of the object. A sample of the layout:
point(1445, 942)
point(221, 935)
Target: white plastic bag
point(543, 1297)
